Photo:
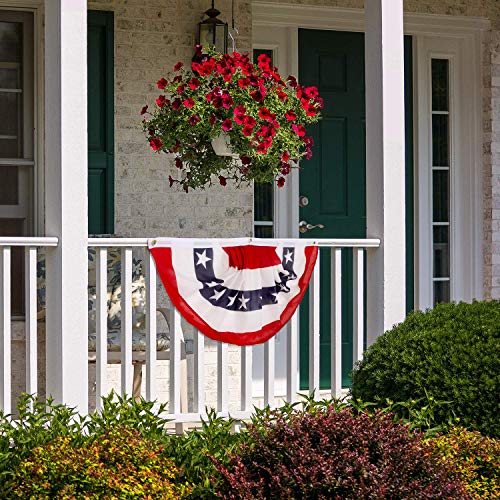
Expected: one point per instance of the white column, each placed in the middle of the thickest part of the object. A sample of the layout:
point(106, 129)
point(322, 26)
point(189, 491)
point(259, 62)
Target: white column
point(385, 164)
point(66, 199)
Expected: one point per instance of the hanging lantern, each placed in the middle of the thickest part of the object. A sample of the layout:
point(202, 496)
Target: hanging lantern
point(213, 32)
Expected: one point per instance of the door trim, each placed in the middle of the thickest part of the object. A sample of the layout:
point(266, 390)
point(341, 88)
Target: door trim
point(285, 21)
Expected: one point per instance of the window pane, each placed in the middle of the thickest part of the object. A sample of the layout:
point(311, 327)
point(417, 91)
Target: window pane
point(441, 291)
point(440, 196)
point(264, 231)
point(10, 42)
point(10, 78)
point(441, 251)
point(440, 140)
point(440, 97)
point(263, 202)
point(9, 187)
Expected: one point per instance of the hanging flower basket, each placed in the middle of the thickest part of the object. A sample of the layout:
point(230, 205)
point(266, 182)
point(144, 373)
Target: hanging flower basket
point(228, 118)
point(222, 145)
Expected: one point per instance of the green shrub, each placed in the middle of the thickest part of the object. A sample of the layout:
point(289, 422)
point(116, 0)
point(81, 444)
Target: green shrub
point(452, 352)
point(475, 458)
point(119, 464)
point(329, 452)
point(192, 453)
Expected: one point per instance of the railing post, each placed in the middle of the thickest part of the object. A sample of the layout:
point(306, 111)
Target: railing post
point(385, 167)
point(66, 200)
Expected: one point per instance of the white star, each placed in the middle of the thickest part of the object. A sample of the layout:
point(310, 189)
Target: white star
point(202, 258)
point(211, 284)
point(275, 295)
point(231, 300)
point(243, 302)
point(288, 257)
point(217, 295)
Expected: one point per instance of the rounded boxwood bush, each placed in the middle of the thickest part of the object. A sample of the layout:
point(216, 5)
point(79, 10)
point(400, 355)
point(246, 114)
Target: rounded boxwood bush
point(333, 453)
point(450, 353)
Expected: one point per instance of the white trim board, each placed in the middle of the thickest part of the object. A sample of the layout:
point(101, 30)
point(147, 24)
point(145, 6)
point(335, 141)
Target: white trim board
point(276, 26)
point(336, 18)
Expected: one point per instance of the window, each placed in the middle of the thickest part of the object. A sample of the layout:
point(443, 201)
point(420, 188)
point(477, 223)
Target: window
point(263, 209)
point(441, 164)
point(16, 137)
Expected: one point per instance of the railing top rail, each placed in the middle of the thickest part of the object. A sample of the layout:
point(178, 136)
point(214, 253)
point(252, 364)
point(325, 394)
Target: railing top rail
point(27, 241)
point(321, 242)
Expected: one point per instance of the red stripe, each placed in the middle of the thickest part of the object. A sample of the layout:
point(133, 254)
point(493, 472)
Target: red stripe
point(252, 257)
point(163, 260)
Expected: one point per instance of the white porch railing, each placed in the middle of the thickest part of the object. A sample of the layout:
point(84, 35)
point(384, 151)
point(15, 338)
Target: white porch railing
point(177, 412)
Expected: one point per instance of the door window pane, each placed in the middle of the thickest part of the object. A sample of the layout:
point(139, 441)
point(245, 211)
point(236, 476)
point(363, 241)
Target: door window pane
point(440, 85)
point(441, 251)
point(9, 187)
point(440, 196)
point(440, 139)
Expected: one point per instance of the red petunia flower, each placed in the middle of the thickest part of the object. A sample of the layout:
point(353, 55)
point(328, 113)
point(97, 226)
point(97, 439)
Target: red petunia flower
point(178, 162)
point(245, 160)
point(177, 79)
point(160, 101)
point(265, 114)
point(311, 110)
point(299, 130)
point(227, 125)
point(262, 148)
point(194, 120)
point(155, 143)
point(176, 104)
point(249, 121)
point(213, 119)
point(178, 66)
point(222, 180)
point(189, 102)
point(194, 83)
point(162, 83)
point(257, 95)
point(285, 156)
point(181, 89)
point(243, 83)
point(144, 110)
point(239, 110)
point(282, 96)
point(247, 131)
point(281, 182)
point(311, 92)
point(290, 115)
point(292, 81)
point(239, 119)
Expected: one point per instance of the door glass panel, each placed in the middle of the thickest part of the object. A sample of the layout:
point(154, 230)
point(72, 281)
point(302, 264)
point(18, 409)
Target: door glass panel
point(441, 252)
point(441, 291)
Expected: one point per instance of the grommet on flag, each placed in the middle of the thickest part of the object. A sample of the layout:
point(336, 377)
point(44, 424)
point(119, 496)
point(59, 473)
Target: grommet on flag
point(241, 291)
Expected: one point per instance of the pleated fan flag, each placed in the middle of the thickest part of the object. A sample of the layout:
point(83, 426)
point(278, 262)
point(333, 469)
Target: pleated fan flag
point(240, 291)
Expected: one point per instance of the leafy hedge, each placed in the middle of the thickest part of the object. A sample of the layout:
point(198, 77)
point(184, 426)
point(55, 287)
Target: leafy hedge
point(333, 453)
point(120, 464)
point(450, 353)
point(308, 449)
point(475, 458)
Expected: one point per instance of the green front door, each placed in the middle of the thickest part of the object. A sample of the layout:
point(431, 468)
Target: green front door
point(100, 122)
point(333, 181)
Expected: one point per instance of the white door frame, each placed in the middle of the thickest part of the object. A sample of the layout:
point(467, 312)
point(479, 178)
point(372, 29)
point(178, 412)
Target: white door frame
point(276, 26)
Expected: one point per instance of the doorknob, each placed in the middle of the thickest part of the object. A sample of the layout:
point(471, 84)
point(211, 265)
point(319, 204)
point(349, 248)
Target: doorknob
point(305, 226)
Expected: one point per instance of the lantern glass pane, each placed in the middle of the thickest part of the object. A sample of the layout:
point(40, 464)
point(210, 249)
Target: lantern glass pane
point(207, 34)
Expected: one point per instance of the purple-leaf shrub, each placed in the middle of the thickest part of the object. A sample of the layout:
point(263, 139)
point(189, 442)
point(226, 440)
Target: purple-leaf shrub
point(332, 453)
